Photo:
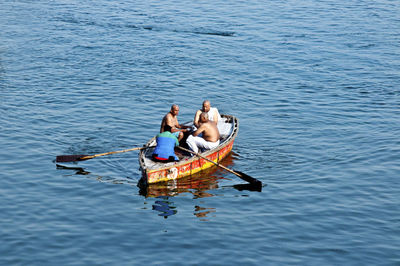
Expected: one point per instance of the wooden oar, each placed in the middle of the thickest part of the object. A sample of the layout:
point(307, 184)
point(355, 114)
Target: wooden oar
point(245, 177)
point(83, 157)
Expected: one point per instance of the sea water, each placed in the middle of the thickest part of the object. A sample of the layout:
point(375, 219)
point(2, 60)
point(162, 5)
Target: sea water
point(314, 84)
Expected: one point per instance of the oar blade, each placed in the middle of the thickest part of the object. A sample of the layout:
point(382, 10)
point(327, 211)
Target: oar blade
point(70, 158)
point(249, 179)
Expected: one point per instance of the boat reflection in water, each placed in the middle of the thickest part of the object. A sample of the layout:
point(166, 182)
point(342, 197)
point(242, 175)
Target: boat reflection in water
point(197, 184)
point(200, 185)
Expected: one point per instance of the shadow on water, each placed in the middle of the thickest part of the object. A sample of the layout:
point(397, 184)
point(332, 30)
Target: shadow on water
point(79, 170)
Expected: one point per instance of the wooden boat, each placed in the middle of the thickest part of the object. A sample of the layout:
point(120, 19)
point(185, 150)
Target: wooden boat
point(154, 172)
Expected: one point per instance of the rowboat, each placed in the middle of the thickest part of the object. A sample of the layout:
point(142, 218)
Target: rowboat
point(154, 172)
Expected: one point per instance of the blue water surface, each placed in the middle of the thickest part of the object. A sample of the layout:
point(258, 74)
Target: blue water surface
point(315, 85)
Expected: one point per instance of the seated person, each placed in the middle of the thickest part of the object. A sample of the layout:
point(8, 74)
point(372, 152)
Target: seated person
point(166, 142)
point(213, 114)
point(171, 119)
point(210, 135)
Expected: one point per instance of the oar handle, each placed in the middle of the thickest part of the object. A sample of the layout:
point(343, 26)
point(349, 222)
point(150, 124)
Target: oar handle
point(81, 157)
point(108, 153)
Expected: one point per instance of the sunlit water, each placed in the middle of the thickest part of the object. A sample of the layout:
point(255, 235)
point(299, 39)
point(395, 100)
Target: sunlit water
point(315, 85)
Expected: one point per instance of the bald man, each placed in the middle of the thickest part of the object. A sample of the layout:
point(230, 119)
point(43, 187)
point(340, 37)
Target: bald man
point(171, 119)
point(210, 135)
point(213, 114)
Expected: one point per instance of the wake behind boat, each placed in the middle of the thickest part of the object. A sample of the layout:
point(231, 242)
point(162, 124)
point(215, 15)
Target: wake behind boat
point(154, 172)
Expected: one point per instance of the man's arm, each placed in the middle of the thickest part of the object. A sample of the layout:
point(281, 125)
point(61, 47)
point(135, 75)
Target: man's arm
point(199, 130)
point(172, 122)
point(196, 118)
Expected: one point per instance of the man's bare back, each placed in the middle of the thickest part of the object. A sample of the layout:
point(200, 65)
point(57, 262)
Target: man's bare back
point(210, 135)
point(208, 128)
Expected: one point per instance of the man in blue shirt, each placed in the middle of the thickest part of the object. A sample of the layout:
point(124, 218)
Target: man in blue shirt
point(166, 142)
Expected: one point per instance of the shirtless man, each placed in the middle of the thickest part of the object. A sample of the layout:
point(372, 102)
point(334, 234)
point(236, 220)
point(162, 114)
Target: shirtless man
point(171, 120)
point(210, 134)
point(213, 114)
